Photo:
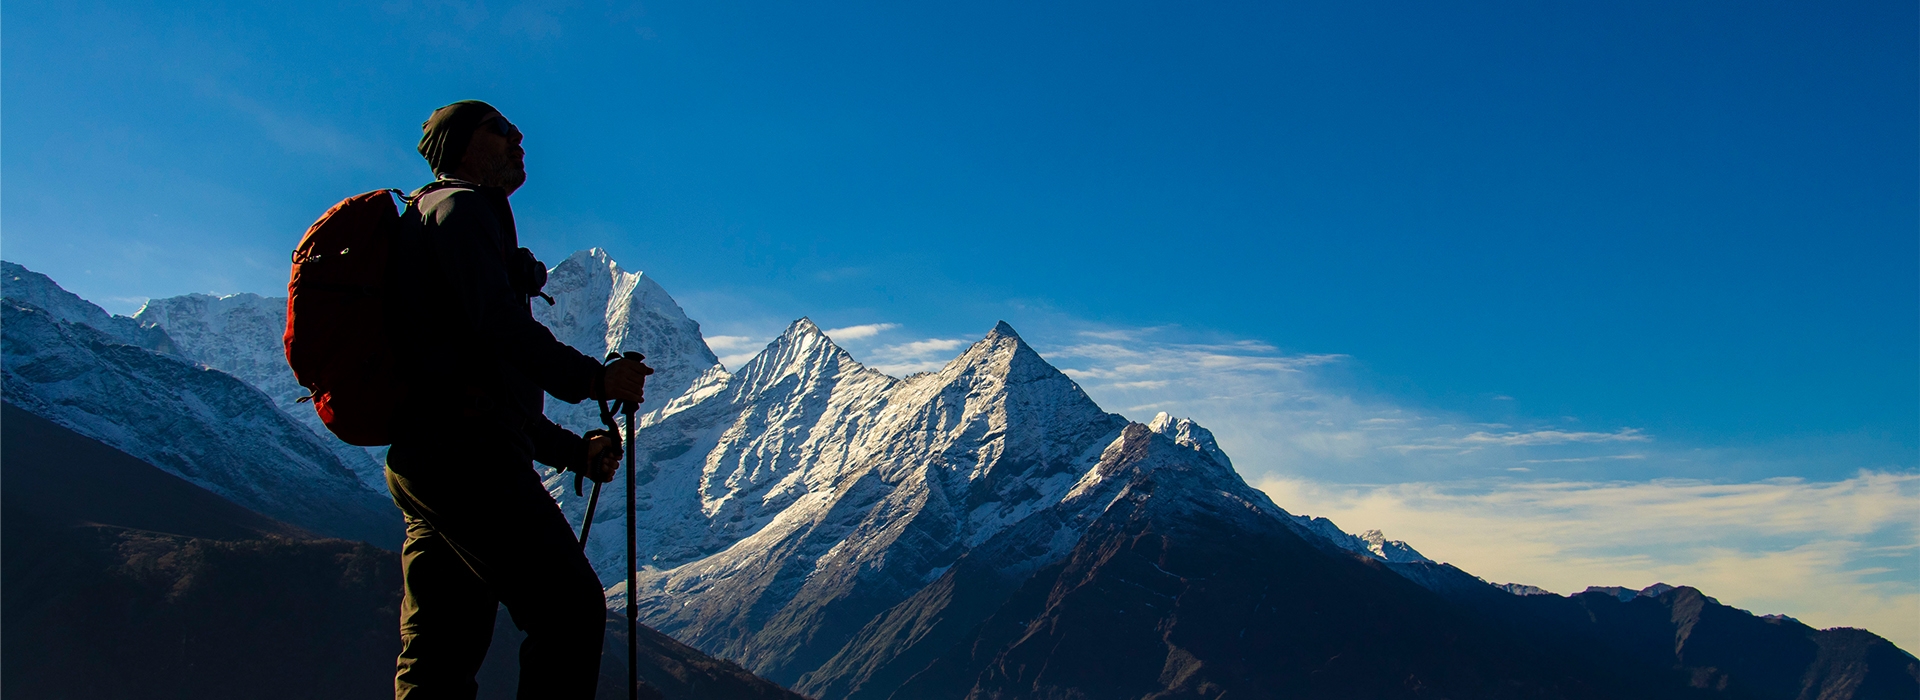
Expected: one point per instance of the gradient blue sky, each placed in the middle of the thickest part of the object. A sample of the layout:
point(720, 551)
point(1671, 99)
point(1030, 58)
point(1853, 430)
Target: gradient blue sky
point(1472, 247)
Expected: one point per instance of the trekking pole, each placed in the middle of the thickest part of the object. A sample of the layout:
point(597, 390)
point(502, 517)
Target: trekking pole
point(633, 613)
point(593, 502)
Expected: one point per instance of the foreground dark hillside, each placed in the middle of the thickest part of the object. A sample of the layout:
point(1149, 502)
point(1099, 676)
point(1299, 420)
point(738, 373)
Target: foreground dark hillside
point(122, 581)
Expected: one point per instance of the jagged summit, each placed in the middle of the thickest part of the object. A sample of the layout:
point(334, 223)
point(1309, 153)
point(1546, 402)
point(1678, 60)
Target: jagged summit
point(802, 326)
point(596, 255)
point(600, 307)
point(1390, 550)
point(1002, 328)
point(802, 352)
point(1184, 431)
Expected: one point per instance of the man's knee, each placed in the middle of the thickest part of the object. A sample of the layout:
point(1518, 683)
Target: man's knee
point(576, 605)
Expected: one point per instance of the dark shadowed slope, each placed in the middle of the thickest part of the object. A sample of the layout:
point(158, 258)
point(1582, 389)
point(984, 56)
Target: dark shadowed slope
point(201, 425)
point(119, 580)
point(672, 671)
point(1724, 650)
point(122, 581)
point(59, 478)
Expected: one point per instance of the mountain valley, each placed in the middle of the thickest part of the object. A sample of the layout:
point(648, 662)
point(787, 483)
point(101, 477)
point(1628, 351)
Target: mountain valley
point(981, 531)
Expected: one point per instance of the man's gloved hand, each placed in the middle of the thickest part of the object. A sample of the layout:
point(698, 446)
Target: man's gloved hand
point(625, 380)
point(603, 456)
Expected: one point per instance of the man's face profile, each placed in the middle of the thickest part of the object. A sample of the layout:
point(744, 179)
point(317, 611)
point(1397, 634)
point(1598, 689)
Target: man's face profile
point(494, 156)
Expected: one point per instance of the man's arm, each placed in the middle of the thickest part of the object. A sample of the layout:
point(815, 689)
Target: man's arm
point(596, 457)
point(557, 447)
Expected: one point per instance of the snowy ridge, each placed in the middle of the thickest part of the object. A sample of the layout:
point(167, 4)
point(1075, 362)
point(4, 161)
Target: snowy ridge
point(599, 307)
point(1523, 589)
point(814, 486)
point(1186, 433)
point(1369, 544)
point(240, 334)
point(39, 291)
point(200, 424)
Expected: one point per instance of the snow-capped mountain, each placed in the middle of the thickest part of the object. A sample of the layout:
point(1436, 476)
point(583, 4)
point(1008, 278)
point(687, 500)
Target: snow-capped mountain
point(37, 290)
point(825, 491)
point(200, 424)
point(1185, 432)
point(599, 307)
point(821, 489)
point(988, 531)
point(239, 334)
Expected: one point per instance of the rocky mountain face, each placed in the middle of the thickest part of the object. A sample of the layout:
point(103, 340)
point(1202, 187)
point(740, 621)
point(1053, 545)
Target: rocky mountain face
point(1188, 585)
point(825, 492)
point(205, 426)
point(600, 308)
point(239, 334)
point(142, 585)
point(988, 531)
point(37, 290)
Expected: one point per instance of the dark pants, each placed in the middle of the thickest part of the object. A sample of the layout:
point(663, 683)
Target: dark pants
point(481, 531)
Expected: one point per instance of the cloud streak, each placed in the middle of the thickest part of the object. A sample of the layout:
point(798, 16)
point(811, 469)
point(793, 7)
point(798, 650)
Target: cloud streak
point(1551, 437)
point(924, 355)
point(860, 332)
point(735, 350)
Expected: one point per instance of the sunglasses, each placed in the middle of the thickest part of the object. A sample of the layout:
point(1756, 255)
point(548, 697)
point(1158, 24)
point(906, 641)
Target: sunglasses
point(499, 125)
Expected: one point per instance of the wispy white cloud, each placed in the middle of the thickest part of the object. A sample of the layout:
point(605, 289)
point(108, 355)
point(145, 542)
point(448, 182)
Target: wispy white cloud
point(1552, 437)
point(860, 332)
point(925, 355)
point(735, 350)
point(1281, 412)
point(1838, 553)
point(1479, 439)
point(735, 360)
point(299, 135)
point(1576, 460)
point(725, 343)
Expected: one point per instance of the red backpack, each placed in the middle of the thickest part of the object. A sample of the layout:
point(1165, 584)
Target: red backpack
point(336, 335)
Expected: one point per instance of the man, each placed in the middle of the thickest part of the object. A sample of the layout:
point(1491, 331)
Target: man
point(481, 528)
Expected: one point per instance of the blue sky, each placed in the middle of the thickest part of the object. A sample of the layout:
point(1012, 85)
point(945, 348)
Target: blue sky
point(1438, 257)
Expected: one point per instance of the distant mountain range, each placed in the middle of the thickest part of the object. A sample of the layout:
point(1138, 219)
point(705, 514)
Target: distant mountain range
point(983, 531)
point(129, 386)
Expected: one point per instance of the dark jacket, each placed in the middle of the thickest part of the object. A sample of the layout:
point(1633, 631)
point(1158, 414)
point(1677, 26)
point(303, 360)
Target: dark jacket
point(475, 360)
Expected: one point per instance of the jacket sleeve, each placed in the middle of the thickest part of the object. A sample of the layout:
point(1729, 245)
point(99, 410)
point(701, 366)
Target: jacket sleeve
point(555, 446)
point(467, 238)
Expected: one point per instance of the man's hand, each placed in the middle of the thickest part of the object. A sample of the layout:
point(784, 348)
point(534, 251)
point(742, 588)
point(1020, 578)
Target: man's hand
point(626, 380)
point(603, 457)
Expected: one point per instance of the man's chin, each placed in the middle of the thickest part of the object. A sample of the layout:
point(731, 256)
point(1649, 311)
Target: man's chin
point(513, 180)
